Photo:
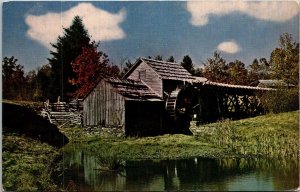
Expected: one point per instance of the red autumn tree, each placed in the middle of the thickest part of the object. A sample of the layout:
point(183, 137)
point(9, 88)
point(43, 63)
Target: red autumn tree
point(90, 67)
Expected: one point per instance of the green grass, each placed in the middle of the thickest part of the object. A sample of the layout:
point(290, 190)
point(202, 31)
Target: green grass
point(160, 147)
point(29, 104)
point(26, 164)
point(273, 135)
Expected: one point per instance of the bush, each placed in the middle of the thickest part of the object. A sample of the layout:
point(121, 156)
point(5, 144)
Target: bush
point(282, 100)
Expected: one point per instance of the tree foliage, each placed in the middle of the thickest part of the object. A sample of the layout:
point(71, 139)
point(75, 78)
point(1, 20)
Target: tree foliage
point(43, 79)
point(171, 59)
point(198, 72)
point(259, 69)
point(13, 79)
point(128, 65)
point(187, 63)
point(283, 100)
point(284, 60)
point(32, 88)
point(66, 49)
point(90, 67)
point(283, 65)
point(158, 57)
point(76, 65)
point(237, 73)
point(215, 69)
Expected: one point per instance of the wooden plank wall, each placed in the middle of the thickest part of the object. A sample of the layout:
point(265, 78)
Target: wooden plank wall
point(152, 78)
point(104, 107)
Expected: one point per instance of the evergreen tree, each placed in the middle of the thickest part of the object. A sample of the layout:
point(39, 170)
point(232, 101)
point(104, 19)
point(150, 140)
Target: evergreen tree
point(187, 63)
point(171, 59)
point(67, 48)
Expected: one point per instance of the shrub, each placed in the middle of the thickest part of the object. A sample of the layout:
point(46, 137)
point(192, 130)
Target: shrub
point(282, 100)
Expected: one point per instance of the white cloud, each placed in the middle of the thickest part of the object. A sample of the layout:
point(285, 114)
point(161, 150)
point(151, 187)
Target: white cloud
point(278, 11)
point(229, 47)
point(101, 25)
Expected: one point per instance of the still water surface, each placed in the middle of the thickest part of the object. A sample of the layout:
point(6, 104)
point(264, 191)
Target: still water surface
point(89, 174)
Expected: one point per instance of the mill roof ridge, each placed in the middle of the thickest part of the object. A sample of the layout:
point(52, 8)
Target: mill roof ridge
point(133, 89)
point(130, 89)
point(159, 61)
point(168, 70)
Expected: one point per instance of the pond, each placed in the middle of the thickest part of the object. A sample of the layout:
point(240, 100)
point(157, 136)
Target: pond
point(91, 173)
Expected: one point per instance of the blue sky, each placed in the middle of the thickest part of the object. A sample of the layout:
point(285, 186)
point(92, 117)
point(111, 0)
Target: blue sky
point(128, 30)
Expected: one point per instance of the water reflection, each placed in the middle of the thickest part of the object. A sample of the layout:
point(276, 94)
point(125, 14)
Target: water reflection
point(188, 174)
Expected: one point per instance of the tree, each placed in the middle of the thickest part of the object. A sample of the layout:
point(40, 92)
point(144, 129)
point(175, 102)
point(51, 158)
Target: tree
point(215, 69)
point(32, 90)
point(237, 73)
point(171, 59)
point(284, 60)
point(158, 57)
point(187, 63)
point(90, 67)
point(67, 48)
point(198, 72)
point(128, 65)
point(259, 69)
point(14, 82)
point(43, 79)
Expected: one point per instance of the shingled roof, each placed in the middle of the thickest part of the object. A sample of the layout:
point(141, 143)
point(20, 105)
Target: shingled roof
point(166, 70)
point(132, 89)
point(273, 83)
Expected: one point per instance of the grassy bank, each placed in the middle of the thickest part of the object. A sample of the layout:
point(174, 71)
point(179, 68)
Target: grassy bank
point(274, 135)
point(26, 164)
point(29, 104)
point(27, 156)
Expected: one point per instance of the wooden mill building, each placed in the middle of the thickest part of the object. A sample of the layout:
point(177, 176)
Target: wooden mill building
point(156, 95)
point(134, 103)
point(124, 104)
point(161, 76)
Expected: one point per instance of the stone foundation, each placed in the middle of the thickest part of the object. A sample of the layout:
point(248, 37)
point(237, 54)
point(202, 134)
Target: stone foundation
point(106, 131)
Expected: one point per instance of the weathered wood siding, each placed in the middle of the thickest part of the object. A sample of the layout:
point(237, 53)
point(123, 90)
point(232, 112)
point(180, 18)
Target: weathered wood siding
point(104, 106)
point(152, 78)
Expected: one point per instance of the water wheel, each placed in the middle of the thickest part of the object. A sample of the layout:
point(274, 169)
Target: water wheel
point(171, 103)
point(185, 104)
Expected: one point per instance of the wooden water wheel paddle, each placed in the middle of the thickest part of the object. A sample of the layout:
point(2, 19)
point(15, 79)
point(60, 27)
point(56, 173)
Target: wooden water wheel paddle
point(184, 103)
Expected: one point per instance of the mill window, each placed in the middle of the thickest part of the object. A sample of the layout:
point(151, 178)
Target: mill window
point(142, 75)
